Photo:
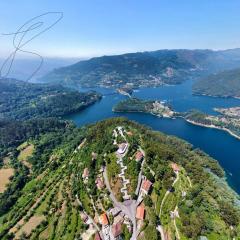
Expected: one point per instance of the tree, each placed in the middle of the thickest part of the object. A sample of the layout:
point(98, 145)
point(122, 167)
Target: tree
point(229, 214)
point(148, 201)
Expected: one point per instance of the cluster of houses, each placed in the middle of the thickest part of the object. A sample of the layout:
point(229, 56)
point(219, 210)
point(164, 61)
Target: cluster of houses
point(99, 180)
point(144, 191)
point(114, 230)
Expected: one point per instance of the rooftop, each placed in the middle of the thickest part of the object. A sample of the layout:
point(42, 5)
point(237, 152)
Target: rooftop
point(146, 185)
point(104, 219)
point(122, 148)
point(129, 133)
point(117, 229)
point(175, 167)
point(140, 212)
point(85, 173)
point(139, 155)
point(99, 182)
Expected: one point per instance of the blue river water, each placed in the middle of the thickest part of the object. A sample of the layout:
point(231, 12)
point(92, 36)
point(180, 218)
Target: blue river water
point(216, 143)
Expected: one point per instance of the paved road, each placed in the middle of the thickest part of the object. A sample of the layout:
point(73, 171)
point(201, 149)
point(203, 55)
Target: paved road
point(140, 173)
point(160, 229)
point(127, 207)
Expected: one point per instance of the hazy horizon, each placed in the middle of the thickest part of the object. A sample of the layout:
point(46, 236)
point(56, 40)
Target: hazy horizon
point(96, 28)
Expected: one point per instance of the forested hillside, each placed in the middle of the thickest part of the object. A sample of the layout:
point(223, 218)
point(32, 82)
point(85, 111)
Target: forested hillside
point(144, 69)
point(223, 84)
point(21, 100)
point(56, 193)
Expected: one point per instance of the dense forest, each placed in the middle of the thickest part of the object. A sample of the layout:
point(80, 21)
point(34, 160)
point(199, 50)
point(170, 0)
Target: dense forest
point(50, 191)
point(133, 105)
point(21, 100)
point(13, 133)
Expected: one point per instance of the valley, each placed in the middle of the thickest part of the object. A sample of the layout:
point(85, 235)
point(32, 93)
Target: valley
point(119, 120)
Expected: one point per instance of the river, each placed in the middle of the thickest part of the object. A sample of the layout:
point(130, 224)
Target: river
point(218, 144)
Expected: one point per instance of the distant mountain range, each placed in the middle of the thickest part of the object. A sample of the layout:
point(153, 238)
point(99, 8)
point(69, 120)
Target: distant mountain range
point(144, 68)
point(22, 68)
point(223, 84)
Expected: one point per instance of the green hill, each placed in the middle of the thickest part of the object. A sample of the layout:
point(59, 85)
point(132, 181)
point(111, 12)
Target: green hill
point(22, 100)
point(223, 84)
point(144, 69)
point(59, 197)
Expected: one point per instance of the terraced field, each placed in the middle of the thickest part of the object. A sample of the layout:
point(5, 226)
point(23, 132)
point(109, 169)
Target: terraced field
point(61, 199)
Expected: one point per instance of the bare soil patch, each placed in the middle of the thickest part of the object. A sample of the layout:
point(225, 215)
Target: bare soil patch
point(5, 174)
point(116, 186)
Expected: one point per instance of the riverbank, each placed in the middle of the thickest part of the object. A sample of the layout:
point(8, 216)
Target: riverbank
point(214, 96)
point(219, 145)
point(213, 126)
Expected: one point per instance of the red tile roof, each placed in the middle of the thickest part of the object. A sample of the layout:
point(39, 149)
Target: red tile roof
point(85, 173)
point(104, 219)
point(175, 167)
point(146, 185)
point(140, 212)
point(99, 183)
point(117, 229)
point(139, 155)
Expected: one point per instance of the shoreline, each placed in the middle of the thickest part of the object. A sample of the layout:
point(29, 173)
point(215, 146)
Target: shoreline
point(146, 112)
point(215, 127)
point(214, 96)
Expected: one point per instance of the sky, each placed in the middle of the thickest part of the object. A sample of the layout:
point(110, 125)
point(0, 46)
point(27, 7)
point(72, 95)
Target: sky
point(102, 27)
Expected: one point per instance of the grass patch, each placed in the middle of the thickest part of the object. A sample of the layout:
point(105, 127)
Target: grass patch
point(26, 152)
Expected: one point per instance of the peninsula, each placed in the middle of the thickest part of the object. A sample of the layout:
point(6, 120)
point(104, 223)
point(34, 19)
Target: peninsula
point(158, 108)
point(228, 120)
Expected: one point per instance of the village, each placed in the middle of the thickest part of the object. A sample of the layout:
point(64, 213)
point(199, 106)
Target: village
point(130, 212)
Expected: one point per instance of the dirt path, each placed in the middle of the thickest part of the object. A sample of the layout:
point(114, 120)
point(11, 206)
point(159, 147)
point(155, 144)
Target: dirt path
point(166, 194)
point(189, 180)
point(175, 225)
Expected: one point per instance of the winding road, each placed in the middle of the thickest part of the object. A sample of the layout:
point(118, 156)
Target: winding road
point(127, 207)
